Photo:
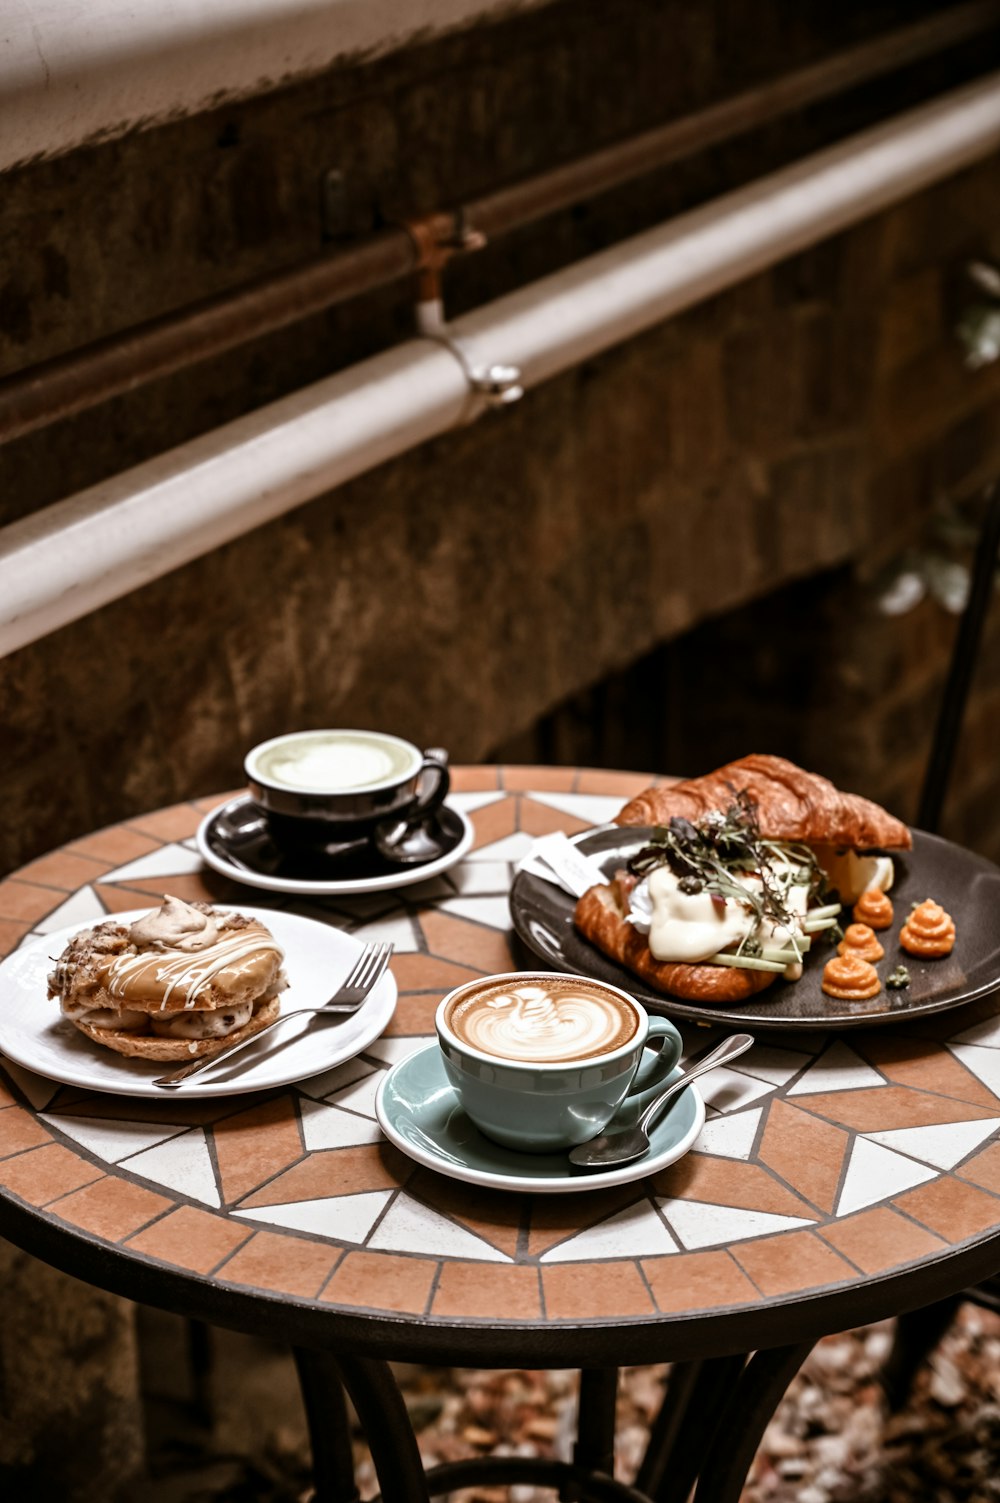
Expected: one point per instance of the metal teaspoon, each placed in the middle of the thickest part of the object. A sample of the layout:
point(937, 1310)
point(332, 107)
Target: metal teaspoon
point(628, 1143)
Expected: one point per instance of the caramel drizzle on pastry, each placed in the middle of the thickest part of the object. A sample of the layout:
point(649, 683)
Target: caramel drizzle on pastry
point(136, 976)
point(859, 940)
point(928, 932)
point(874, 908)
point(850, 978)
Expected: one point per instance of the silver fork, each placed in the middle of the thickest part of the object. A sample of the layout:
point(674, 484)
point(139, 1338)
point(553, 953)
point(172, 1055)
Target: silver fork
point(365, 975)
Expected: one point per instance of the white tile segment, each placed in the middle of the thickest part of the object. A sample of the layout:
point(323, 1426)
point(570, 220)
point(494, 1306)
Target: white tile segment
point(698, 1224)
point(730, 1137)
point(875, 1173)
point(358, 1097)
point(594, 808)
point(84, 907)
point(410, 1226)
point(493, 912)
point(397, 929)
point(943, 1144)
point(986, 1033)
point(167, 861)
point(473, 876)
point(326, 1126)
point(725, 1090)
point(983, 1062)
point(469, 802)
point(391, 1050)
point(111, 1140)
point(349, 1218)
point(509, 848)
point(319, 1086)
point(837, 1069)
point(773, 1064)
point(182, 1163)
point(35, 1088)
point(636, 1232)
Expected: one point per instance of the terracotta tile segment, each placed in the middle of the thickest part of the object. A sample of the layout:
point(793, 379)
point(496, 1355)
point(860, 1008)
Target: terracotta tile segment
point(111, 1208)
point(178, 822)
point(413, 1017)
point(556, 1217)
point(925, 1067)
point(698, 1281)
point(475, 779)
point(879, 1239)
point(595, 1291)
point(191, 886)
point(63, 870)
point(539, 819)
point(484, 1291)
point(539, 779)
point(190, 1238)
point(121, 899)
point(494, 821)
point(117, 845)
point(46, 1173)
point(729, 1182)
point(465, 943)
point(382, 1281)
point(19, 1130)
point(26, 901)
point(425, 973)
point(883, 1108)
point(12, 931)
point(952, 1209)
point(176, 1113)
point(805, 1151)
point(791, 1261)
point(493, 1215)
point(984, 1168)
point(255, 1144)
point(335, 1171)
point(627, 784)
point(6, 1097)
point(206, 805)
point(286, 1265)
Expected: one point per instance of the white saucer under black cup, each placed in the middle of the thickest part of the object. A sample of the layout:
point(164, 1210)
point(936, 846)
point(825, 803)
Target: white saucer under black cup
point(238, 841)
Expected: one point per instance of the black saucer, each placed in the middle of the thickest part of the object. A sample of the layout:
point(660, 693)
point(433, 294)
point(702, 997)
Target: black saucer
point(237, 840)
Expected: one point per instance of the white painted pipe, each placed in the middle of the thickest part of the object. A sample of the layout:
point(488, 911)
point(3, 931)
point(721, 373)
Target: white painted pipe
point(81, 553)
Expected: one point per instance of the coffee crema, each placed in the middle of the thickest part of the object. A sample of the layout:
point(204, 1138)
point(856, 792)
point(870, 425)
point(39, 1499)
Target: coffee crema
point(543, 1022)
point(337, 761)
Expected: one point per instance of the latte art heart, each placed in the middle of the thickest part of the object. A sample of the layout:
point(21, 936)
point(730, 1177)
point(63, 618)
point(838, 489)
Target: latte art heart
point(543, 1023)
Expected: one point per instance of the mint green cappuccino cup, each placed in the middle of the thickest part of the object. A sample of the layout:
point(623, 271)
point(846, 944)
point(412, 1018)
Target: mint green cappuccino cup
point(542, 1061)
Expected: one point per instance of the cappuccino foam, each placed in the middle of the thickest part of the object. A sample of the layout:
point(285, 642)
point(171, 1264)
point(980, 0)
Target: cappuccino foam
point(337, 761)
point(543, 1021)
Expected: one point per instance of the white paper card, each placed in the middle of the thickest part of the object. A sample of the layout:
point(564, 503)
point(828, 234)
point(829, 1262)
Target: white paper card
point(556, 859)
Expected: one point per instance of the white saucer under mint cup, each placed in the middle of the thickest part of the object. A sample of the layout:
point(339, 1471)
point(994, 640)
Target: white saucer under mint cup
point(573, 1050)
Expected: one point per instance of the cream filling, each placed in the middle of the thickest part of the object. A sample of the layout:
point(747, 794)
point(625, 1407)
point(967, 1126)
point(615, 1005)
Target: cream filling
point(203, 1025)
point(686, 928)
point(127, 1020)
point(852, 874)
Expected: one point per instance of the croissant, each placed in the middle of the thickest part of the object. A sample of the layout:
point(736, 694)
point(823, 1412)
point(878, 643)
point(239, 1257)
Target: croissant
point(791, 804)
point(600, 916)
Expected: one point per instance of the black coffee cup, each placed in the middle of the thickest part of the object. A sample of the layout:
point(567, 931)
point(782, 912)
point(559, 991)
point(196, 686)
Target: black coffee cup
point(323, 788)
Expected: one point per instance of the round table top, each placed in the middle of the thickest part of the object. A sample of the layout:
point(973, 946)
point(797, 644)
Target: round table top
point(838, 1178)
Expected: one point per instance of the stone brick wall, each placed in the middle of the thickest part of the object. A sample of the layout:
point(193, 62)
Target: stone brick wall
point(804, 420)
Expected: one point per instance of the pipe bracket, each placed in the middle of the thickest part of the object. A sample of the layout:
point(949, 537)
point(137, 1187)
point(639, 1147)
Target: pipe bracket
point(498, 384)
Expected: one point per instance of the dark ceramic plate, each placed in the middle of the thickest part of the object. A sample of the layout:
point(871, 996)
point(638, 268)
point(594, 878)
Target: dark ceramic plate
point(968, 886)
point(236, 841)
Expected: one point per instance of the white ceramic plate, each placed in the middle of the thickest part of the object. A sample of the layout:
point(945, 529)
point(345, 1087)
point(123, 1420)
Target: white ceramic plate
point(213, 852)
point(418, 1110)
point(34, 1034)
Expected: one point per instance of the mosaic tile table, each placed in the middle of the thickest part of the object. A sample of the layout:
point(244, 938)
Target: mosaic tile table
point(837, 1180)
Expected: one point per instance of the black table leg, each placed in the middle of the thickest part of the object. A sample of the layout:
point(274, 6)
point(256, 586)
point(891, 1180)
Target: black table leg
point(395, 1455)
point(595, 1425)
point(917, 1334)
point(743, 1420)
point(329, 1427)
point(683, 1430)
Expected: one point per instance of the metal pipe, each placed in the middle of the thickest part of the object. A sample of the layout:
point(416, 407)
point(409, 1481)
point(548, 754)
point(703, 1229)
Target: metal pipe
point(94, 547)
point(83, 378)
